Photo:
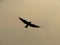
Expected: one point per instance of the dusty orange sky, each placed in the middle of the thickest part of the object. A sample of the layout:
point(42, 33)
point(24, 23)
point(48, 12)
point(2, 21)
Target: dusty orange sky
point(42, 12)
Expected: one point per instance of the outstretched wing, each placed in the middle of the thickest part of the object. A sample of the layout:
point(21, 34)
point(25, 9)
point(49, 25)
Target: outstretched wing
point(24, 21)
point(33, 25)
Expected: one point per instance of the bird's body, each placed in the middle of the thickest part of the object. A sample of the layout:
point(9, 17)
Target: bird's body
point(28, 23)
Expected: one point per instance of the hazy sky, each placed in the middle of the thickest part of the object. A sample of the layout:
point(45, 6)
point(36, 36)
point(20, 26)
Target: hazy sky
point(41, 12)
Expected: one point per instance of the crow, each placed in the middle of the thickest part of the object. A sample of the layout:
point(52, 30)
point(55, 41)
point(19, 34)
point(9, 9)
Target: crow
point(28, 23)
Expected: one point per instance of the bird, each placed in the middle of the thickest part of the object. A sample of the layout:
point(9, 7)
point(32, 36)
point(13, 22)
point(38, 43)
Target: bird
point(28, 23)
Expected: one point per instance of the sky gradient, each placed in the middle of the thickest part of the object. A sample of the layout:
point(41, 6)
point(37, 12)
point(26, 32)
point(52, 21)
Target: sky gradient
point(45, 13)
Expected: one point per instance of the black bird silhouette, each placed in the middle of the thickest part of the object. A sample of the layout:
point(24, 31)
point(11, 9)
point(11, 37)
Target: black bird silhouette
point(28, 23)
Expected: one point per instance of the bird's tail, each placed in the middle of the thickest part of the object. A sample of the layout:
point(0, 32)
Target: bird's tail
point(26, 26)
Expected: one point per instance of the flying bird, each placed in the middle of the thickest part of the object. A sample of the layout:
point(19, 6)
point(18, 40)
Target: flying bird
point(28, 23)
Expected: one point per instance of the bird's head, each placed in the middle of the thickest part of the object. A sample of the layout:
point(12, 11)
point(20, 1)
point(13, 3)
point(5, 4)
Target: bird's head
point(30, 22)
